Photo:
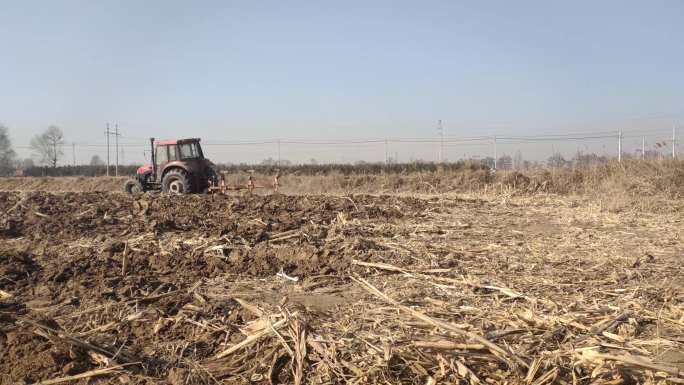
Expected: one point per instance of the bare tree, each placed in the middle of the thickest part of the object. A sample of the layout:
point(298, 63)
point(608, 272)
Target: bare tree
point(556, 160)
point(488, 161)
point(7, 154)
point(518, 160)
point(48, 146)
point(96, 161)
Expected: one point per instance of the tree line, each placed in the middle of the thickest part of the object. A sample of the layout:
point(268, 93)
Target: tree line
point(47, 150)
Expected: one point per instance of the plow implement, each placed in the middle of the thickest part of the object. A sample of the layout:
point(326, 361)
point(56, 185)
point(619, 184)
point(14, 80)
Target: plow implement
point(221, 187)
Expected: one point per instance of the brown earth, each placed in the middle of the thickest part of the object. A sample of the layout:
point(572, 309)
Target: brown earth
point(57, 184)
point(67, 251)
point(163, 284)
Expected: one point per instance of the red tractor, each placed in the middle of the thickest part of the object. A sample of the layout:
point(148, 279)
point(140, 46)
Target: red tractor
point(178, 167)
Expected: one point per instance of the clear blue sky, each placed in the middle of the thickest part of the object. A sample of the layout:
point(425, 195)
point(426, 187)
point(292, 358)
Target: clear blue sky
point(225, 70)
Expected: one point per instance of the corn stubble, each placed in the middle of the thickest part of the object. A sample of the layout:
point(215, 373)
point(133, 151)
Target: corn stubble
point(510, 286)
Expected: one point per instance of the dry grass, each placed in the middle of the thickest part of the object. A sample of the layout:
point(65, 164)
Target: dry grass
point(636, 178)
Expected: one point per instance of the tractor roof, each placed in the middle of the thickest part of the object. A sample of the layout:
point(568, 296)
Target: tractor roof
point(178, 141)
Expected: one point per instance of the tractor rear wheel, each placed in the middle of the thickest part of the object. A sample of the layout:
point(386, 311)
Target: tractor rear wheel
point(176, 182)
point(133, 186)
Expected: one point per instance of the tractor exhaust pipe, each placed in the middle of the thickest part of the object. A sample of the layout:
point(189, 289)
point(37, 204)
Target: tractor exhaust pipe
point(154, 160)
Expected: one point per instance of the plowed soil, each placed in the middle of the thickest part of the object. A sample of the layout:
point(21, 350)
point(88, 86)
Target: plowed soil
point(55, 184)
point(153, 288)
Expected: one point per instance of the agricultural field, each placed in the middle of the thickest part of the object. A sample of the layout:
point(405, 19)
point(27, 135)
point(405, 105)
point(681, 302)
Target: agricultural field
point(505, 286)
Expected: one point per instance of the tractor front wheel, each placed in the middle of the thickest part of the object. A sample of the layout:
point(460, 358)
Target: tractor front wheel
point(176, 182)
point(133, 186)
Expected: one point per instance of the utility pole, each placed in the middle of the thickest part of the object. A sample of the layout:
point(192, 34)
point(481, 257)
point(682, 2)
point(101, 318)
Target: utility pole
point(107, 135)
point(278, 152)
point(386, 156)
point(620, 145)
point(440, 130)
point(643, 148)
point(73, 153)
point(674, 142)
point(495, 152)
point(116, 139)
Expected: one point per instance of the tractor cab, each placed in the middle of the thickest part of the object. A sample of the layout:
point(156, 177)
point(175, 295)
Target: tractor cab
point(178, 166)
point(173, 150)
point(181, 150)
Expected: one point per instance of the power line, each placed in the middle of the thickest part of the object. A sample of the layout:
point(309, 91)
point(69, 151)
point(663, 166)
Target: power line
point(441, 140)
point(483, 140)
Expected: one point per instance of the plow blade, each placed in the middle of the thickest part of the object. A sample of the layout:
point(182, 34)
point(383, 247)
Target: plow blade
point(223, 188)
